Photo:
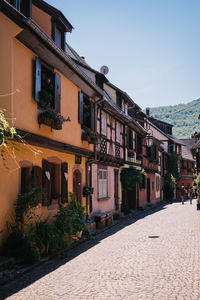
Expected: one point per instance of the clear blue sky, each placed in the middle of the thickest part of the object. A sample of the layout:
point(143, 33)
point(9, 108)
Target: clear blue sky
point(152, 47)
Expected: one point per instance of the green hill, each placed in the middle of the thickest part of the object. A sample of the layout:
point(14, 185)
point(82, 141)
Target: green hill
point(184, 117)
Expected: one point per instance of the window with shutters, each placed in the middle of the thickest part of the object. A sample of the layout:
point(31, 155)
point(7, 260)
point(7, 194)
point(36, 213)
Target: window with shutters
point(54, 181)
point(86, 112)
point(47, 86)
point(58, 35)
point(24, 6)
point(118, 133)
point(102, 183)
point(103, 123)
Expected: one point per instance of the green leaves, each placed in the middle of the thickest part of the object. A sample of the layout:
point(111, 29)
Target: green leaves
point(129, 177)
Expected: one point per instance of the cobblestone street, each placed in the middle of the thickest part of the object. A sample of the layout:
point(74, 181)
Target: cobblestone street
point(154, 257)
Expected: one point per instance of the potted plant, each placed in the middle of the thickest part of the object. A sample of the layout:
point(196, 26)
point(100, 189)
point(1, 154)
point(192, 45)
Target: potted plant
point(52, 118)
point(90, 136)
point(131, 153)
point(139, 156)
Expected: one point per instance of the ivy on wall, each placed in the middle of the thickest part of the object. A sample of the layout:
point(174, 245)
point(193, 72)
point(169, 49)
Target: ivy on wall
point(129, 177)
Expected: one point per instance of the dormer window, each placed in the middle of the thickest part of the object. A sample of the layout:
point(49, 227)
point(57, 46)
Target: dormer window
point(119, 100)
point(24, 6)
point(58, 35)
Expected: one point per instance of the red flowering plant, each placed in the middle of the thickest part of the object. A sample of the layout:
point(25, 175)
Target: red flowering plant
point(131, 152)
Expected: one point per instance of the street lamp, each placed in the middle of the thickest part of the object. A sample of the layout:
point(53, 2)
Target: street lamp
point(149, 138)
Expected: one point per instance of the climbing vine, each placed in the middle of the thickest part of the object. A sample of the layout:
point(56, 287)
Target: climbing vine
point(129, 177)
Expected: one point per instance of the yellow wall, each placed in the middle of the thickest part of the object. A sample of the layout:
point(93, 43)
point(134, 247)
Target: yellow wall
point(10, 179)
point(7, 30)
point(42, 19)
point(25, 107)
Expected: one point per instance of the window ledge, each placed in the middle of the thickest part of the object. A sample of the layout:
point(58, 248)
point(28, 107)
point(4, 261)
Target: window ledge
point(104, 198)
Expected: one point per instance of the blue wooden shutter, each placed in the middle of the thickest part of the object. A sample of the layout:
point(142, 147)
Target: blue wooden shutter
point(37, 79)
point(80, 108)
point(57, 92)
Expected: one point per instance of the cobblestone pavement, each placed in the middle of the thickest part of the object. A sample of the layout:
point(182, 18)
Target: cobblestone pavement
point(154, 257)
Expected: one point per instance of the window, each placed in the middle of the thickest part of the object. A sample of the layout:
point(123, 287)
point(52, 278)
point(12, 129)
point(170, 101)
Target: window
point(86, 111)
point(129, 139)
point(54, 181)
point(24, 6)
point(118, 136)
point(143, 183)
point(58, 35)
point(103, 123)
point(47, 86)
point(138, 144)
point(102, 183)
point(118, 100)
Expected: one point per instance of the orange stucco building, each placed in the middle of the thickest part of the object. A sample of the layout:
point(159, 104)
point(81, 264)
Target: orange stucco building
point(37, 76)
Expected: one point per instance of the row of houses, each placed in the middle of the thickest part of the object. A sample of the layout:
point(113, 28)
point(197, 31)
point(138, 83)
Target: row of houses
point(78, 130)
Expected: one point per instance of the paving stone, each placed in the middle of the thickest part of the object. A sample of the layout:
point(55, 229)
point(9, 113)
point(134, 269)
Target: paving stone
point(156, 257)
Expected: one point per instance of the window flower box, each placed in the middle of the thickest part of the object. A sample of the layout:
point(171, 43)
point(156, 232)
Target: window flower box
point(90, 136)
point(52, 119)
point(139, 156)
point(131, 153)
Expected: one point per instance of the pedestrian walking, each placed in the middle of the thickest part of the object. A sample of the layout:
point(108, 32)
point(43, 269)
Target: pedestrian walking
point(190, 194)
point(182, 194)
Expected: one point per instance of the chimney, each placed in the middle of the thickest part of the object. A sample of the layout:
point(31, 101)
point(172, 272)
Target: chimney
point(148, 111)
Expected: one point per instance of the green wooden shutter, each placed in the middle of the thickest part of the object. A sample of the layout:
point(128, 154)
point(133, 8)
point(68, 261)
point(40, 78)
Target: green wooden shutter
point(37, 79)
point(57, 91)
point(80, 108)
point(64, 182)
point(46, 183)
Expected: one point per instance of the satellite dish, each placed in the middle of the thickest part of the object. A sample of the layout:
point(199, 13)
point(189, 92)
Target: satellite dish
point(104, 70)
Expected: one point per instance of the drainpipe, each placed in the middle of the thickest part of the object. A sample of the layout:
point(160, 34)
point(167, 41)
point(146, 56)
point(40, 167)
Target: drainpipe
point(90, 162)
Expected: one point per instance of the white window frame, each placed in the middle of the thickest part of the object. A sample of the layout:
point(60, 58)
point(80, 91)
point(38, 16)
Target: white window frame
point(118, 133)
point(102, 183)
point(103, 123)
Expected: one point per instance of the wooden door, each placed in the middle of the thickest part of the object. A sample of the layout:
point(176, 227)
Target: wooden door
point(132, 198)
point(77, 185)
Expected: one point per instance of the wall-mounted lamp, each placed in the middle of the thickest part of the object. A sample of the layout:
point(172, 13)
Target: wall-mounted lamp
point(149, 138)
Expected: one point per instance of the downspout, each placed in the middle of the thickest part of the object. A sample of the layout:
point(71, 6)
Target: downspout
point(90, 162)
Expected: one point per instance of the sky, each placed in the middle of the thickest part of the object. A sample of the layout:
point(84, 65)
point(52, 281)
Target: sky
point(151, 47)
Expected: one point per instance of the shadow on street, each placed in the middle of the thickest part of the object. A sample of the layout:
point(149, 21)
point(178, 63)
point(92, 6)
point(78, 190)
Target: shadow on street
point(51, 265)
